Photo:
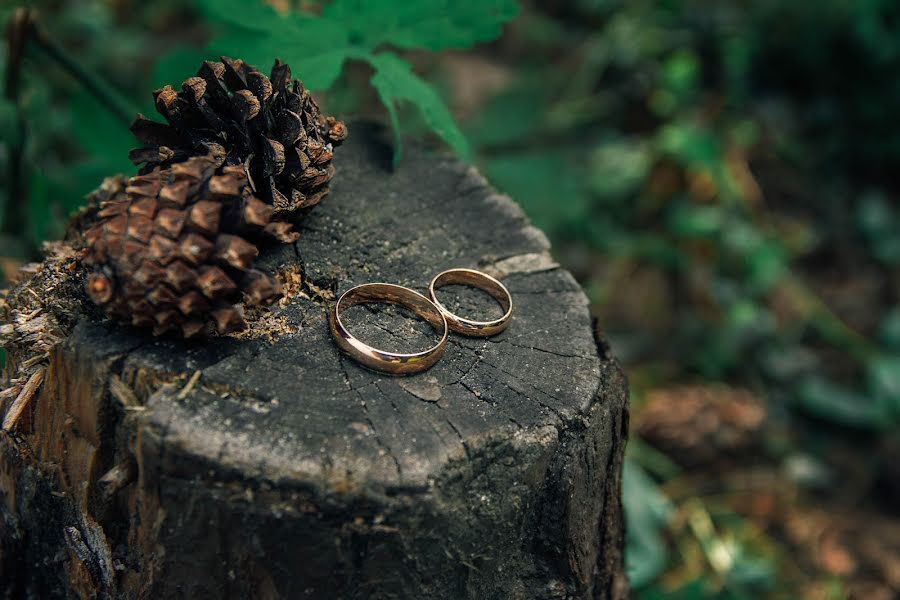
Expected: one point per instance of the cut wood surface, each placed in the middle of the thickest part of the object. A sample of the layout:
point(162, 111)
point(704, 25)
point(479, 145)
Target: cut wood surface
point(267, 465)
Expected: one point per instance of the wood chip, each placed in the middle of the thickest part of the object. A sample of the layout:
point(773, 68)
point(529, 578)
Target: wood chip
point(535, 262)
point(123, 393)
point(190, 385)
point(118, 477)
point(22, 400)
point(10, 392)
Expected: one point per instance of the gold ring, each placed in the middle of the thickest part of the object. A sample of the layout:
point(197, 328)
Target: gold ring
point(479, 280)
point(381, 360)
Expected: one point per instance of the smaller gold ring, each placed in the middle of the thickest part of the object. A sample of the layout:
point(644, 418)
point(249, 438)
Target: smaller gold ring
point(479, 280)
point(395, 363)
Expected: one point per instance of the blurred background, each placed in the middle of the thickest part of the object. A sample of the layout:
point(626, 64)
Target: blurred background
point(722, 176)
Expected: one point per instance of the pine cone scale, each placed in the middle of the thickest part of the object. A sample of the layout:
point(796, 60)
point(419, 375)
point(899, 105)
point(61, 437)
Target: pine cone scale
point(162, 249)
point(232, 75)
point(195, 249)
point(192, 303)
point(216, 91)
point(170, 222)
point(204, 216)
point(153, 133)
point(144, 207)
point(179, 276)
point(288, 128)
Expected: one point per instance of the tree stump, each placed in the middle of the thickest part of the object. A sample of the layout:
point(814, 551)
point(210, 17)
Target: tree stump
point(267, 465)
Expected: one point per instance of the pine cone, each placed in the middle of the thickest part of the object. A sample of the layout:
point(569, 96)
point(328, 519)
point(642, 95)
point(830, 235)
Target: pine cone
point(270, 122)
point(701, 424)
point(170, 248)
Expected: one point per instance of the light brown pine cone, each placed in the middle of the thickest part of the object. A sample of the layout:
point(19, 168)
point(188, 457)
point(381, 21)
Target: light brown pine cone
point(172, 248)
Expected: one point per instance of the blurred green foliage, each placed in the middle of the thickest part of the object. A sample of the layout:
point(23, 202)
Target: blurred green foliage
point(743, 155)
point(648, 510)
point(634, 142)
point(317, 45)
point(738, 159)
point(72, 142)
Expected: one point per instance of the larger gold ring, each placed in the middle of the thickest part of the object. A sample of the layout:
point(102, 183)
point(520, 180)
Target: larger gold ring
point(479, 280)
point(395, 363)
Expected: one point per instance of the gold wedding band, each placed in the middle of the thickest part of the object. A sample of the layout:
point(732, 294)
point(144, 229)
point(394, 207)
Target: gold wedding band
point(381, 360)
point(479, 280)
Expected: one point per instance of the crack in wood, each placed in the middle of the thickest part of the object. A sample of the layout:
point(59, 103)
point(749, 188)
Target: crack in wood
point(379, 442)
point(544, 350)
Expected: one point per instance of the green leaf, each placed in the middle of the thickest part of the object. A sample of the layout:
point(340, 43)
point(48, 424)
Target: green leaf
point(317, 66)
point(696, 221)
point(40, 212)
point(690, 144)
point(512, 116)
point(681, 73)
point(840, 405)
point(884, 381)
point(878, 221)
point(101, 134)
point(55, 193)
point(646, 512)
point(889, 330)
point(254, 15)
point(547, 183)
point(875, 215)
point(618, 168)
point(679, 79)
point(319, 72)
point(428, 24)
point(762, 257)
point(9, 128)
point(394, 81)
point(694, 590)
point(175, 67)
point(315, 48)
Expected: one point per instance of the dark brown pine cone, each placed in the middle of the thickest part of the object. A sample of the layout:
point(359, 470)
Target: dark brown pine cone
point(272, 123)
point(170, 248)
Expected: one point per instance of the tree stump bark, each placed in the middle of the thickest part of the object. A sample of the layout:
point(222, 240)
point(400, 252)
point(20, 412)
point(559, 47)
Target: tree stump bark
point(267, 465)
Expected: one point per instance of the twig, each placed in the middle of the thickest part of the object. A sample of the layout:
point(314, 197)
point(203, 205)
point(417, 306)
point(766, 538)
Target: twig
point(124, 394)
point(23, 28)
point(190, 385)
point(10, 392)
point(22, 400)
point(101, 90)
point(829, 325)
point(16, 36)
point(719, 555)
